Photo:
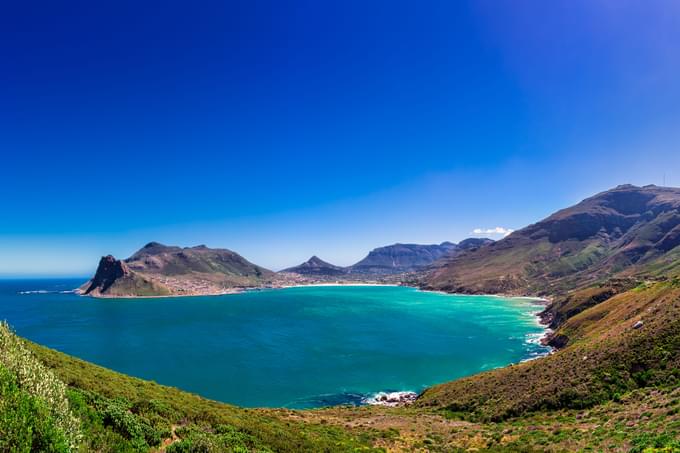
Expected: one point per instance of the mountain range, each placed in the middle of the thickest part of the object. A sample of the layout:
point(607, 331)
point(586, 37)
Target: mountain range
point(390, 259)
point(627, 232)
point(162, 270)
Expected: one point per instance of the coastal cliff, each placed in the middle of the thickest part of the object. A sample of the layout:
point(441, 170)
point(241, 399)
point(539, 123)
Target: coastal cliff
point(115, 279)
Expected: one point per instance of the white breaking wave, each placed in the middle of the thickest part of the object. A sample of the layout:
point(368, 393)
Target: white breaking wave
point(44, 291)
point(391, 399)
point(534, 338)
point(537, 339)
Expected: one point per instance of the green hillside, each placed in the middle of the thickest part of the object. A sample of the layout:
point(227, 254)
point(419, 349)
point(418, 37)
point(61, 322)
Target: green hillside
point(625, 232)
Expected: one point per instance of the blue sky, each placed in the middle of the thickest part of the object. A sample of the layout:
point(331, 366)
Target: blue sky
point(286, 129)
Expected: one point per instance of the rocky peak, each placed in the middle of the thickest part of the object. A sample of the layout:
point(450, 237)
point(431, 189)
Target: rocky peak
point(109, 270)
point(316, 266)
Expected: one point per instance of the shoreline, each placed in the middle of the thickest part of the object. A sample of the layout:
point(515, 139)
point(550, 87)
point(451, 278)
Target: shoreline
point(233, 291)
point(337, 284)
point(99, 296)
point(542, 301)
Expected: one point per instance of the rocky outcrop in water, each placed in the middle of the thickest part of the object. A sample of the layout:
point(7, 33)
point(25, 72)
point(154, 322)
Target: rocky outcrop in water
point(109, 270)
point(392, 399)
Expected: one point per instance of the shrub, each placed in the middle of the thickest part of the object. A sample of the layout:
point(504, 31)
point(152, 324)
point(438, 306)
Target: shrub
point(222, 438)
point(653, 443)
point(26, 423)
point(40, 383)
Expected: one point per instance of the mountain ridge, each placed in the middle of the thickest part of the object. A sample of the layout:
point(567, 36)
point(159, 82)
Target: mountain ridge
point(389, 260)
point(397, 258)
point(627, 231)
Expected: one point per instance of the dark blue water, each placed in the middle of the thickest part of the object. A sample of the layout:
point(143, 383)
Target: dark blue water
point(297, 347)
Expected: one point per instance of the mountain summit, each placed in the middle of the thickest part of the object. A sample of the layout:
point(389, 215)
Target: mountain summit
point(316, 266)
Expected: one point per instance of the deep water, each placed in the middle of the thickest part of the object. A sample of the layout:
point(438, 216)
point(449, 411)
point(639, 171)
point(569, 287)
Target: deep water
point(296, 347)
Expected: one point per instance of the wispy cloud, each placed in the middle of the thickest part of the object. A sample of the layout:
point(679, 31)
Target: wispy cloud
point(498, 230)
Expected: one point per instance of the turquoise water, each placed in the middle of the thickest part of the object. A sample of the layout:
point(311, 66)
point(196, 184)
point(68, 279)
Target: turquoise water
point(296, 347)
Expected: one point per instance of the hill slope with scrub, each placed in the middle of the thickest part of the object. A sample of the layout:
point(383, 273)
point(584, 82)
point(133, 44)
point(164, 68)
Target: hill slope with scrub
point(625, 232)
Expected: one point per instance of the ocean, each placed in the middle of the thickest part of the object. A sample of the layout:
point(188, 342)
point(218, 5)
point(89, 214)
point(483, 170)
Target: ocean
point(295, 347)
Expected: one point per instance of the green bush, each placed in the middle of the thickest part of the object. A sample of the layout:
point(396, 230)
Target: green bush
point(119, 416)
point(653, 443)
point(220, 438)
point(26, 424)
point(33, 378)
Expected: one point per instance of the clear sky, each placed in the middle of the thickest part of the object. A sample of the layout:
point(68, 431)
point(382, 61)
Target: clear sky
point(286, 129)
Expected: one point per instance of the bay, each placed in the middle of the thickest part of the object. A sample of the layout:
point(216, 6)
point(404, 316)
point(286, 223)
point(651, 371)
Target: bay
point(296, 347)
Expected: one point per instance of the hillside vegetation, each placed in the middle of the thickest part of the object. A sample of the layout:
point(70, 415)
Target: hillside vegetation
point(626, 232)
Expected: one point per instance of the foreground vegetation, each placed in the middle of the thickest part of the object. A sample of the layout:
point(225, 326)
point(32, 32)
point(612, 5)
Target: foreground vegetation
point(615, 386)
point(643, 420)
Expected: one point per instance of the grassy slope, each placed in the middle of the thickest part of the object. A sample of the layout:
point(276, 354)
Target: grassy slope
point(526, 266)
point(574, 302)
point(637, 421)
point(137, 284)
point(201, 263)
point(625, 232)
